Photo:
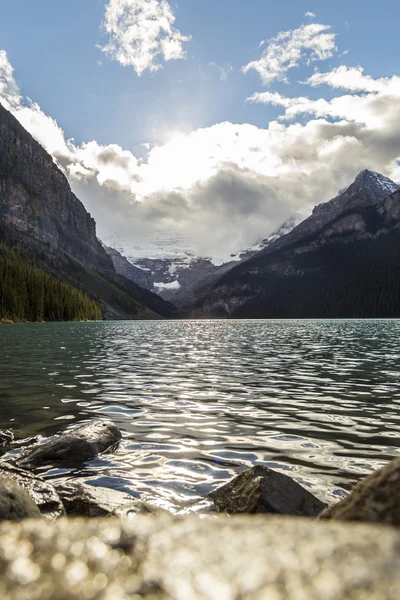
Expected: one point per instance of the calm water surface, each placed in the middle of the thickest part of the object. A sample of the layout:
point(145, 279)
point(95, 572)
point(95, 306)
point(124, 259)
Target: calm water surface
point(198, 401)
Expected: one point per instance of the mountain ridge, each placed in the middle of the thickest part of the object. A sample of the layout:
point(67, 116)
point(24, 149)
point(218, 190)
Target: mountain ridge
point(279, 278)
point(39, 212)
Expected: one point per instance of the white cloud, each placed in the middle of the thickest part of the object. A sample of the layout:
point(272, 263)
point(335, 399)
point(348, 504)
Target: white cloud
point(354, 80)
point(142, 31)
point(310, 14)
point(373, 103)
point(308, 43)
point(224, 188)
point(9, 91)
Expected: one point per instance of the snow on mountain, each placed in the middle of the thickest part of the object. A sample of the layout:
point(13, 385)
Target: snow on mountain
point(168, 265)
point(373, 179)
point(284, 229)
point(173, 285)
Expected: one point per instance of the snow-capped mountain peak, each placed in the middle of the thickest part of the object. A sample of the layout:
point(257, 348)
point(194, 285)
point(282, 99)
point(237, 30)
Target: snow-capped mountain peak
point(373, 180)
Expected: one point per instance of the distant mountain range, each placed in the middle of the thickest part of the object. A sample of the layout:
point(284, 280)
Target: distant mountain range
point(42, 220)
point(185, 278)
point(342, 261)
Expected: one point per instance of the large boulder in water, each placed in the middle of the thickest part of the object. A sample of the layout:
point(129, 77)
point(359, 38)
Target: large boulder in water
point(15, 502)
point(375, 499)
point(41, 492)
point(245, 557)
point(80, 444)
point(262, 490)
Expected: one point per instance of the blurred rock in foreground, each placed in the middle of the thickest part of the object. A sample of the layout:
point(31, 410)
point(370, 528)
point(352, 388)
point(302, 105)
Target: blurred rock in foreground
point(41, 492)
point(15, 502)
point(375, 499)
point(220, 558)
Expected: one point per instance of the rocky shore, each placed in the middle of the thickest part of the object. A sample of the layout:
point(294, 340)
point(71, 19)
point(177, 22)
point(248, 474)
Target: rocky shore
point(139, 551)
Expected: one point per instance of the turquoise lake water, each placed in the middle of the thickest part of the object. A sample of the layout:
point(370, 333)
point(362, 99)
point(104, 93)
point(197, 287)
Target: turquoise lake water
point(197, 401)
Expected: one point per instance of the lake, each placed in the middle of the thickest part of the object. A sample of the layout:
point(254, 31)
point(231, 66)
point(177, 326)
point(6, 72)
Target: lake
point(197, 401)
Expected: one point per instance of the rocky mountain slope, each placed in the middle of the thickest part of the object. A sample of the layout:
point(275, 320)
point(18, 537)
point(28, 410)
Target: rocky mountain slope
point(184, 279)
point(343, 261)
point(39, 211)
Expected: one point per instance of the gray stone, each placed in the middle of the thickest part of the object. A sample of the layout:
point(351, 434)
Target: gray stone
point(41, 492)
point(262, 490)
point(80, 444)
point(375, 499)
point(160, 558)
point(15, 502)
point(6, 437)
point(37, 199)
point(84, 500)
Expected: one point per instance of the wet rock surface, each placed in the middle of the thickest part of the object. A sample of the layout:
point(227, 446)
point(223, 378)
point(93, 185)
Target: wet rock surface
point(80, 499)
point(239, 558)
point(40, 491)
point(15, 502)
point(262, 490)
point(375, 499)
point(80, 444)
point(6, 438)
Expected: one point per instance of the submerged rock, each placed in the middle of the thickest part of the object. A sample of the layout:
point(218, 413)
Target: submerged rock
point(247, 558)
point(41, 492)
point(375, 499)
point(80, 444)
point(80, 499)
point(15, 502)
point(6, 437)
point(262, 490)
point(83, 500)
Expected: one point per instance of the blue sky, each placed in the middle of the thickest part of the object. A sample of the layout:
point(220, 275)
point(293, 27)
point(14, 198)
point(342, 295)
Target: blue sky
point(55, 49)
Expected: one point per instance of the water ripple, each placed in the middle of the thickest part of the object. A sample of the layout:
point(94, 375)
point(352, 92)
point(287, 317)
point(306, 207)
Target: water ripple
point(199, 400)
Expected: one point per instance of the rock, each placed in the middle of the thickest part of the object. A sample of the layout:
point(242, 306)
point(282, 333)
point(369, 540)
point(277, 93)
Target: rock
point(6, 437)
point(161, 558)
point(15, 502)
point(262, 490)
point(80, 444)
point(36, 198)
point(41, 492)
point(80, 499)
point(375, 499)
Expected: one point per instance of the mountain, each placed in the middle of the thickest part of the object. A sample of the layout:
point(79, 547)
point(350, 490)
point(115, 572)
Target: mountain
point(128, 270)
point(182, 278)
point(284, 229)
point(40, 215)
point(343, 261)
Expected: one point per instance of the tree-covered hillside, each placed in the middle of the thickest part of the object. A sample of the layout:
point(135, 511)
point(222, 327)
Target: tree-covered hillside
point(29, 294)
point(355, 280)
point(115, 296)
